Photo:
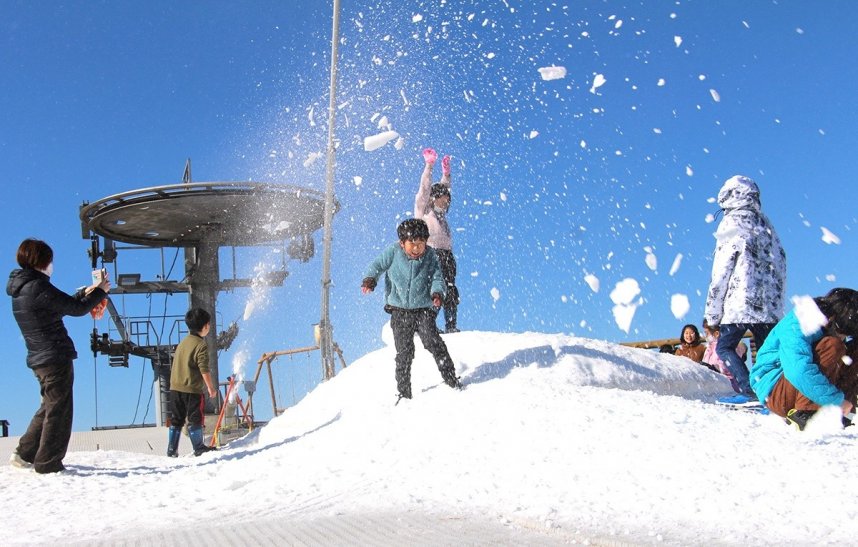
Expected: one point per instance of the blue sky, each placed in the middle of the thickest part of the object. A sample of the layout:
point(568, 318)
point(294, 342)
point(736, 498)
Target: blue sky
point(551, 181)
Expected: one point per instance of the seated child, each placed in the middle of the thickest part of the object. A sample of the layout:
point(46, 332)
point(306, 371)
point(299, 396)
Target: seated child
point(690, 345)
point(801, 366)
point(413, 290)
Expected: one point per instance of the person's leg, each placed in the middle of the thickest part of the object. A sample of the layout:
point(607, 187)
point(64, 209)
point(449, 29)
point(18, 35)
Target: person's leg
point(58, 402)
point(731, 335)
point(435, 345)
point(29, 442)
point(178, 411)
point(828, 354)
point(403, 325)
point(196, 405)
point(760, 332)
point(451, 300)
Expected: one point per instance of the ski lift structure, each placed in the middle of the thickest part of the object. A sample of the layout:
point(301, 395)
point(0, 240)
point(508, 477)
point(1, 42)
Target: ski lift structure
point(198, 218)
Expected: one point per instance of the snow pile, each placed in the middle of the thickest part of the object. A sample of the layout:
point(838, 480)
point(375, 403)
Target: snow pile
point(578, 437)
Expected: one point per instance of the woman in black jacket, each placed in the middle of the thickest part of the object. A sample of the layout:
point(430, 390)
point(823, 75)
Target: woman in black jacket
point(39, 308)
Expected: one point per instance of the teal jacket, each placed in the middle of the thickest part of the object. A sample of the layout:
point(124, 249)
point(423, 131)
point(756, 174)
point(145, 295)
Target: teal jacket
point(409, 283)
point(788, 352)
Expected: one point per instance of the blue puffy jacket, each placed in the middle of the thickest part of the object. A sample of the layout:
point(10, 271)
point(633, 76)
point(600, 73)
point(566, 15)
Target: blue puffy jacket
point(789, 352)
point(409, 283)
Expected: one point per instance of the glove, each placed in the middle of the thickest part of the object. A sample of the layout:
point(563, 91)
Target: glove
point(429, 156)
point(437, 299)
point(445, 165)
point(369, 283)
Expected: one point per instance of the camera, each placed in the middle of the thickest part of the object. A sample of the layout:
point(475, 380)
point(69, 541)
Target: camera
point(98, 276)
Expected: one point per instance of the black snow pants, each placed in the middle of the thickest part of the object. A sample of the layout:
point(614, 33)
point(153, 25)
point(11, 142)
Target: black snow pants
point(404, 323)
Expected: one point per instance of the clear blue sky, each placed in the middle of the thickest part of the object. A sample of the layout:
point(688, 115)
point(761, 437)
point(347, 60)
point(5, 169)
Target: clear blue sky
point(551, 181)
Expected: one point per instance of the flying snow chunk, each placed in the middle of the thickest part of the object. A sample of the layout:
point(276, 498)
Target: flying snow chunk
point(377, 141)
point(651, 261)
point(623, 296)
point(399, 144)
point(689, 171)
point(598, 82)
point(552, 72)
point(495, 294)
point(677, 40)
point(679, 305)
point(311, 158)
point(239, 361)
point(534, 134)
point(660, 82)
point(677, 260)
point(810, 318)
point(715, 96)
point(416, 18)
point(593, 281)
point(828, 237)
point(358, 180)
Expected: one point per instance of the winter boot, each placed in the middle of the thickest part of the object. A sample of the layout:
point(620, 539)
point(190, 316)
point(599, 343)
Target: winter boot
point(799, 418)
point(173, 436)
point(445, 165)
point(429, 156)
point(196, 435)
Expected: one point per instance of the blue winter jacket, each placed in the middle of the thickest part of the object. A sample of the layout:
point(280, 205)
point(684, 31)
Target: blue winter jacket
point(409, 283)
point(788, 352)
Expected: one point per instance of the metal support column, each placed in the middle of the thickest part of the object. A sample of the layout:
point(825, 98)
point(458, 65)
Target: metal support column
point(326, 341)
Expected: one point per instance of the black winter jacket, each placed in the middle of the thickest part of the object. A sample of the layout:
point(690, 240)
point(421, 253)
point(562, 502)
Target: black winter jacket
point(39, 308)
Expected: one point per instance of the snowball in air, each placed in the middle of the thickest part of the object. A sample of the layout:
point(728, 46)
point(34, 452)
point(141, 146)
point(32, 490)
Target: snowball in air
point(377, 141)
point(552, 72)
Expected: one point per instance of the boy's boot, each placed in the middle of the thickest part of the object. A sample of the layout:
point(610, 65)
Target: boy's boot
point(196, 434)
point(799, 418)
point(173, 436)
point(448, 373)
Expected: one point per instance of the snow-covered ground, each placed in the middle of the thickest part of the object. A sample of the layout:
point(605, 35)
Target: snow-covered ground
point(580, 438)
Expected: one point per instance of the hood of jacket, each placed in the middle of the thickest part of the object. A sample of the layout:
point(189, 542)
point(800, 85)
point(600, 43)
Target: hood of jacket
point(19, 278)
point(739, 192)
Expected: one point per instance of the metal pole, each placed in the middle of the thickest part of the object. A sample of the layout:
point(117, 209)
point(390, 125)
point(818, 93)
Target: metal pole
point(326, 329)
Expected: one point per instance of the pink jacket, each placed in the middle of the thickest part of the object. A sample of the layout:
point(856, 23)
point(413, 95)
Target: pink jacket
point(440, 236)
point(709, 356)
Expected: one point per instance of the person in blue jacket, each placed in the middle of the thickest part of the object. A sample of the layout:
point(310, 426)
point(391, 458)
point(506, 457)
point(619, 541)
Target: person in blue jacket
point(802, 366)
point(413, 291)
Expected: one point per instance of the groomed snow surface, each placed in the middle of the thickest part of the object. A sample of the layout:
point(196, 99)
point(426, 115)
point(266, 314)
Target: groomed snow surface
point(554, 438)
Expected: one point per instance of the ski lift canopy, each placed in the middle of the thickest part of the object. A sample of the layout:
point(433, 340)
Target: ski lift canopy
point(223, 213)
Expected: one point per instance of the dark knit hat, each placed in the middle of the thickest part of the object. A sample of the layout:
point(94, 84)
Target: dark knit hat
point(439, 190)
point(412, 229)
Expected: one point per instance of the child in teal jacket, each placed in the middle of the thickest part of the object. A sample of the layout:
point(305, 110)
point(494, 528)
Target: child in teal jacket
point(413, 290)
point(803, 366)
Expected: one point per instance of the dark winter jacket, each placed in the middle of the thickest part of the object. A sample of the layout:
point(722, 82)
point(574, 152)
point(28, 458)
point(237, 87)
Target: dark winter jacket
point(39, 308)
point(409, 283)
point(749, 267)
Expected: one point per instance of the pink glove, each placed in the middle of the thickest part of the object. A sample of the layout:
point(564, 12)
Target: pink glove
point(429, 156)
point(445, 165)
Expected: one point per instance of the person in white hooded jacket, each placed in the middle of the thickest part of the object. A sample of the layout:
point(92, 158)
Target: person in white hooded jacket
point(748, 286)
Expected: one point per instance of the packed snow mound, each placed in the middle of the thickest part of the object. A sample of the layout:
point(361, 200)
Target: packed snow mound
point(547, 365)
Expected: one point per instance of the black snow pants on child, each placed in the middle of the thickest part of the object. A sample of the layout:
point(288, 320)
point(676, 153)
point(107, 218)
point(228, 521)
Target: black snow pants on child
point(404, 323)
